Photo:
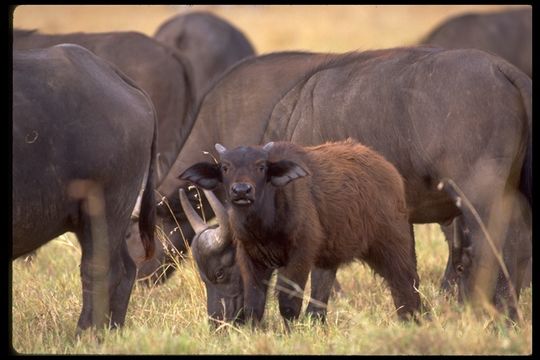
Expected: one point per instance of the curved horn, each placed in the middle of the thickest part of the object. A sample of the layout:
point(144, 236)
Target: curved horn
point(194, 219)
point(268, 146)
point(222, 238)
point(219, 209)
point(220, 148)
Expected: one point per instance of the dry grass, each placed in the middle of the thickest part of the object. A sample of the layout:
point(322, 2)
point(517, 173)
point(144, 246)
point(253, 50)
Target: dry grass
point(171, 319)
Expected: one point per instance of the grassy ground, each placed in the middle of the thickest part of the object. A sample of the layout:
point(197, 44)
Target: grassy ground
point(171, 319)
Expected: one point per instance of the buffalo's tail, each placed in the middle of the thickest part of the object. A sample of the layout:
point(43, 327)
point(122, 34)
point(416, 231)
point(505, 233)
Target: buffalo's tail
point(524, 85)
point(525, 183)
point(147, 217)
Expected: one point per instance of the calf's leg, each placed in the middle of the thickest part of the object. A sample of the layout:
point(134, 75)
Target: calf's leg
point(394, 259)
point(290, 285)
point(322, 281)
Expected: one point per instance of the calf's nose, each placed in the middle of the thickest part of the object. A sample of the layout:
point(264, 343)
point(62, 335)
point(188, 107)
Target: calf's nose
point(240, 189)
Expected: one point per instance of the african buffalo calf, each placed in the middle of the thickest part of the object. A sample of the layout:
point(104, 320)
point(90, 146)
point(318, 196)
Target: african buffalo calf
point(295, 208)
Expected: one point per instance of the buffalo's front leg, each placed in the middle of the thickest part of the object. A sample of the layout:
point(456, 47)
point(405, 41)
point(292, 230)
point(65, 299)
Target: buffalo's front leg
point(255, 280)
point(322, 281)
point(290, 285)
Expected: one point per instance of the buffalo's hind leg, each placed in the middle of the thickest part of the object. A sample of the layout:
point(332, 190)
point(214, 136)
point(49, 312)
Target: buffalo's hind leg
point(123, 273)
point(107, 270)
point(94, 278)
point(395, 260)
point(449, 280)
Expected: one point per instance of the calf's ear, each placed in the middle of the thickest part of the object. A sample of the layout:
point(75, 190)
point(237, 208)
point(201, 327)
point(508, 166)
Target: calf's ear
point(204, 174)
point(282, 172)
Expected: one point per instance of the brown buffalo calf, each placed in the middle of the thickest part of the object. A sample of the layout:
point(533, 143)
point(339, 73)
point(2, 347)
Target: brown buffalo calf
point(295, 208)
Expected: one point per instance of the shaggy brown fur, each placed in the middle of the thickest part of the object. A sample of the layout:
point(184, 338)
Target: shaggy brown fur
point(301, 209)
point(351, 207)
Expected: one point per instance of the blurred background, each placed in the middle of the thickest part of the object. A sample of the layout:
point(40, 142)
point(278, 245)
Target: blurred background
point(323, 28)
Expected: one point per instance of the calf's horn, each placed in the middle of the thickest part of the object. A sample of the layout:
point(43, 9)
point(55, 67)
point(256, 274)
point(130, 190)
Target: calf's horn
point(268, 146)
point(194, 219)
point(220, 148)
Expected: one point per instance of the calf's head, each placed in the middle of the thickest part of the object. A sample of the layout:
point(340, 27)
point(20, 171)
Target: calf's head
point(245, 173)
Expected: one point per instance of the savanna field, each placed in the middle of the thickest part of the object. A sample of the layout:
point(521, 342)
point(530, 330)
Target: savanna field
point(171, 318)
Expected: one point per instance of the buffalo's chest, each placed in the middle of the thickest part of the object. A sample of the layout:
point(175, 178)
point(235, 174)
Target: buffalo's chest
point(268, 251)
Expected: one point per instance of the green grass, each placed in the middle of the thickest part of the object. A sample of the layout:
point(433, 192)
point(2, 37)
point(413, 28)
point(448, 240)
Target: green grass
point(171, 319)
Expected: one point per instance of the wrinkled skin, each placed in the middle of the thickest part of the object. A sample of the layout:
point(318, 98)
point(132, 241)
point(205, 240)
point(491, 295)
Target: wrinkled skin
point(507, 34)
point(210, 43)
point(425, 129)
point(269, 69)
point(84, 137)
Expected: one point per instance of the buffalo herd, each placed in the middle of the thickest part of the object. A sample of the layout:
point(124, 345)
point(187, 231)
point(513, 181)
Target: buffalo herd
point(307, 161)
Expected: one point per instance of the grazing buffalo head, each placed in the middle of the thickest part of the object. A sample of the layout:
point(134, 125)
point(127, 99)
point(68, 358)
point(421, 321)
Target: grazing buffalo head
point(214, 253)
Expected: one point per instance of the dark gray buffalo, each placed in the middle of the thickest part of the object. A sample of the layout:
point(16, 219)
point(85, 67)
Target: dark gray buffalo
point(210, 43)
point(278, 71)
point(166, 77)
point(162, 72)
point(507, 34)
point(436, 114)
point(84, 138)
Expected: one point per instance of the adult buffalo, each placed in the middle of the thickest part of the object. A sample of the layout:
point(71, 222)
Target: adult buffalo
point(434, 113)
point(84, 139)
point(210, 43)
point(163, 73)
point(507, 34)
point(278, 71)
point(167, 78)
